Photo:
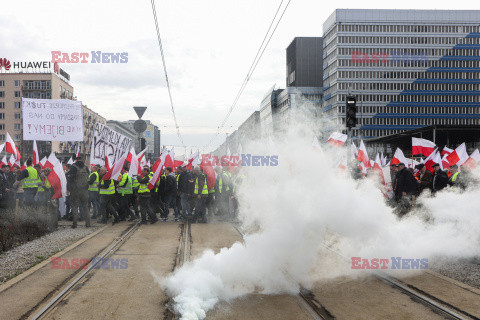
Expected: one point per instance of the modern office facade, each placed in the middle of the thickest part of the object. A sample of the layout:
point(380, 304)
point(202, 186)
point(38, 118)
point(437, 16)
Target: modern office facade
point(407, 68)
point(304, 62)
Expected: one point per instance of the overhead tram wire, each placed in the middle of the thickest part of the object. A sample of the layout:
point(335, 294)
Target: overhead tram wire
point(165, 70)
point(252, 67)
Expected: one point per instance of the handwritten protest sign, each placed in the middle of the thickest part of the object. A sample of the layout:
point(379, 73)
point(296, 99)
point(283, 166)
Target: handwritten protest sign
point(107, 142)
point(52, 120)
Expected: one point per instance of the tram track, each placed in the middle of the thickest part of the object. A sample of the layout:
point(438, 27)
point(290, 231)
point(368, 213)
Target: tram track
point(46, 307)
point(435, 304)
point(183, 255)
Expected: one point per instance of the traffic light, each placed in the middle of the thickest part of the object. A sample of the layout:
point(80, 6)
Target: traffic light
point(351, 114)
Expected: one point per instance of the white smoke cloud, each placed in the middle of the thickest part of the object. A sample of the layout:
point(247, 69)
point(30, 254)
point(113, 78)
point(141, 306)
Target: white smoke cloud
point(294, 207)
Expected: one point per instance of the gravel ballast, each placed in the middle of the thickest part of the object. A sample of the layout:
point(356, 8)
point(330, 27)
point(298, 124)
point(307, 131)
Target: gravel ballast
point(23, 257)
point(463, 270)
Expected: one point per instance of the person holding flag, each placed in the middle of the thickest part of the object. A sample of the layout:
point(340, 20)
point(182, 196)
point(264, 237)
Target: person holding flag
point(144, 197)
point(125, 190)
point(107, 196)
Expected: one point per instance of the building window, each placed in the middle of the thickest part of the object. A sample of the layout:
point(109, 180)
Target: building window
point(2, 94)
point(17, 94)
point(17, 116)
point(2, 83)
point(2, 137)
point(16, 126)
point(2, 105)
point(17, 105)
point(17, 137)
point(17, 83)
point(2, 126)
point(2, 115)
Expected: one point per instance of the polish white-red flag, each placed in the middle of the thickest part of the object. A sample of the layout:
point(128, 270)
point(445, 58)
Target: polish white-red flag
point(398, 157)
point(422, 146)
point(446, 151)
point(207, 168)
point(377, 166)
point(387, 188)
point(179, 161)
point(42, 162)
point(383, 160)
point(35, 157)
point(4, 161)
point(157, 169)
point(108, 164)
point(355, 151)
point(458, 156)
point(11, 147)
point(160, 161)
point(2, 146)
point(78, 151)
point(57, 177)
point(362, 168)
point(363, 155)
point(70, 161)
point(193, 160)
point(134, 169)
point(430, 161)
point(169, 158)
point(473, 160)
point(444, 162)
point(140, 155)
point(337, 139)
point(117, 168)
point(11, 162)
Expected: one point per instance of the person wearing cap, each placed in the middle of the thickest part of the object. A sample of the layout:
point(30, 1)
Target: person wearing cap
point(440, 178)
point(456, 179)
point(425, 180)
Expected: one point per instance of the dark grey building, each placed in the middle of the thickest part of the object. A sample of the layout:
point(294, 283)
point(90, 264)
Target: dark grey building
point(305, 62)
point(249, 130)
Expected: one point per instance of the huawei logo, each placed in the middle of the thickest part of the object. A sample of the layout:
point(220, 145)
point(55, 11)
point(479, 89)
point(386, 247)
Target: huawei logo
point(5, 63)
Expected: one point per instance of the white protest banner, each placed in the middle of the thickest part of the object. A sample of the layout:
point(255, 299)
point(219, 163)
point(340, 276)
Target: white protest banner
point(52, 120)
point(108, 142)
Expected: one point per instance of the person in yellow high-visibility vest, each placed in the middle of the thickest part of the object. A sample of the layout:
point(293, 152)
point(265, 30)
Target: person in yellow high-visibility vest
point(222, 192)
point(40, 198)
point(93, 197)
point(29, 178)
point(200, 192)
point(107, 195)
point(144, 197)
point(125, 189)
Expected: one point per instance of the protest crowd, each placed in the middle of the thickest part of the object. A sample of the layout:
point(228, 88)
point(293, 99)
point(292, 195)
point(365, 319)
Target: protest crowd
point(128, 189)
point(403, 180)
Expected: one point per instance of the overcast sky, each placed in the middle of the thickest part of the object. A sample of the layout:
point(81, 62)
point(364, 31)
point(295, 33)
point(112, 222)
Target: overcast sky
point(209, 46)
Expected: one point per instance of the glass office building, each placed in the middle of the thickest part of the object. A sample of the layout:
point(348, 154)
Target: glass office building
point(408, 68)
